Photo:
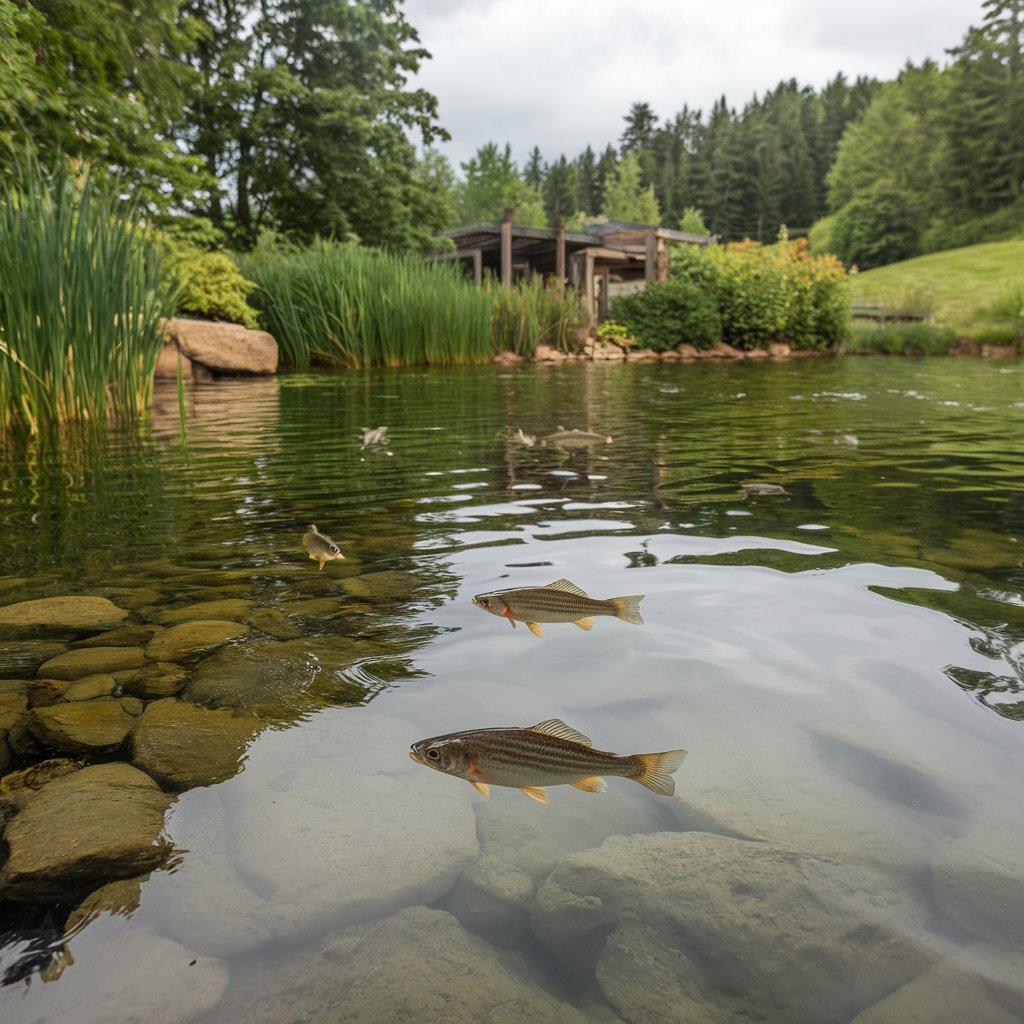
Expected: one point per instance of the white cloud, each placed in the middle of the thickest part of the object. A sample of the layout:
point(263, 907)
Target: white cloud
point(562, 74)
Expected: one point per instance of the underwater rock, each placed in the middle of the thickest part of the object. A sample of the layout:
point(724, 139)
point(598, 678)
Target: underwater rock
point(190, 637)
point(21, 660)
point(190, 746)
point(82, 727)
point(120, 897)
point(14, 715)
point(126, 636)
point(59, 615)
point(82, 829)
point(326, 827)
point(123, 973)
point(391, 584)
point(223, 608)
point(801, 937)
point(90, 687)
point(90, 661)
point(43, 692)
point(158, 679)
point(274, 623)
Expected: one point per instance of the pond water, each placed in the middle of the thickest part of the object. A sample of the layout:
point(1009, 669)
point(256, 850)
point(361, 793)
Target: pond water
point(842, 656)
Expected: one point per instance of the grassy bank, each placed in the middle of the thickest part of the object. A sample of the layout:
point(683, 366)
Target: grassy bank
point(977, 291)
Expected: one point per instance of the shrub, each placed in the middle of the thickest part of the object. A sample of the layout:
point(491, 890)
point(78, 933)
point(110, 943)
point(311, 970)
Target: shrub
point(212, 287)
point(899, 339)
point(768, 293)
point(664, 315)
point(876, 229)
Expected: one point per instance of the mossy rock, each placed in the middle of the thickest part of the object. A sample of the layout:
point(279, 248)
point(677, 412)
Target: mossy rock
point(226, 608)
point(23, 658)
point(153, 681)
point(59, 616)
point(191, 637)
point(90, 661)
point(82, 727)
point(387, 585)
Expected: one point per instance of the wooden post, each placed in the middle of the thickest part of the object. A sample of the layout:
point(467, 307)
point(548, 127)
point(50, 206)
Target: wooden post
point(602, 301)
point(478, 266)
point(506, 249)
point(663, 260)
point(588, 283)
point(651, 258)
point(560, 251)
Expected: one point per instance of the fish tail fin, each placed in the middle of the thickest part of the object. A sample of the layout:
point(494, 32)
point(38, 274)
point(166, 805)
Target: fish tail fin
point(628, 608)
point(656, 770)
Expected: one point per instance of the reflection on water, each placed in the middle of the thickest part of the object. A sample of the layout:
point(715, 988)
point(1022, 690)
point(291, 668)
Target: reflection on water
point(830, 554)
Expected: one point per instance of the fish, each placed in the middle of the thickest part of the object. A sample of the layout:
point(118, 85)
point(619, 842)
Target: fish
point(374, 435)
point(560, 601)
point(563, 438)
point(550, 753)
point(758, 490)
point(320, 547)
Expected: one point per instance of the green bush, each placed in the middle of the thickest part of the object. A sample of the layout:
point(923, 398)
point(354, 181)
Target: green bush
point(210, 286)
point(664, 315)
point(876, 229)
point(769, 293)
point(899, 339)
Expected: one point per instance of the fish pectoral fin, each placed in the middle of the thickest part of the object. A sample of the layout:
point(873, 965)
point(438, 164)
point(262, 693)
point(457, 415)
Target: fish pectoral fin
point(595, 784)
point(535, 793)
point(482, 788)
point(507, 613)
point(566, 587)
point(587, 623)
point(535, 629)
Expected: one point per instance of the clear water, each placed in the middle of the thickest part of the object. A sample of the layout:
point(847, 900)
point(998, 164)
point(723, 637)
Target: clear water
point(844, 662)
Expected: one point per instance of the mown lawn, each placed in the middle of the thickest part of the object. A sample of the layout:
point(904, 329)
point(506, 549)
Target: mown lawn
point(958, 284)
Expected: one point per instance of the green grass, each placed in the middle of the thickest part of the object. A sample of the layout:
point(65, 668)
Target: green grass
point(898, 339)
point(962, 285)
point(81, 301)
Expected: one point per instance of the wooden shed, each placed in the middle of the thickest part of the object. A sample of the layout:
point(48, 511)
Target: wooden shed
point(609, 256)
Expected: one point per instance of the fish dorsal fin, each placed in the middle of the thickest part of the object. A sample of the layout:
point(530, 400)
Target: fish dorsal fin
point(556, 727)
point(569, 588)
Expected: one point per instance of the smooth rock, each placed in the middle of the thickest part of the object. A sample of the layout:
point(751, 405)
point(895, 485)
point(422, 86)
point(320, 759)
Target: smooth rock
point(126, 636)
point(121, 974)
point(224, 347)
point(17, 787)
point(327, 826)
point(159, 679)
point(82, 727)
point(22, 659)
point(191, 637)
point(798, 937)
point(186, 746)
point(90, 661)
point(14, 716)
point(225, 608)
point(383, 585)
point(121, 897)
point(90, 687)
point(83, 829)
point(274, 623)
point(60, 615)
point(44, 692)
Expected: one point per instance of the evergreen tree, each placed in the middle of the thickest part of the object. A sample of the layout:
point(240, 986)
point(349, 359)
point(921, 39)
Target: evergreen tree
point(588, 187)
point(492, 185)
point(641, 124)
point(561, 196)
point(533, 172)
point(625, 197)
point(606, 165)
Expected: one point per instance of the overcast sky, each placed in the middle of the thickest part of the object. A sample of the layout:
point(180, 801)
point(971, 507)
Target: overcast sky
point(561, 74)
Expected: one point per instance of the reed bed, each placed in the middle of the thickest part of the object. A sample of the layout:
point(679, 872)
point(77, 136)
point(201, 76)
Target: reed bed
point(81, 301)
point(348, 306)
point(344, 305)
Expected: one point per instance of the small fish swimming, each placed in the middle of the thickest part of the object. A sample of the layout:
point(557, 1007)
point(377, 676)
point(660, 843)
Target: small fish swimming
point(560, 601)
point(563, 438)
point(550, 753)
point(320, 547)
point(374, 435)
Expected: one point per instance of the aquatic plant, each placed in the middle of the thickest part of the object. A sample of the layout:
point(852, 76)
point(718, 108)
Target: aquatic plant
point(82, 299)
point(342, 304)
point(534, 312)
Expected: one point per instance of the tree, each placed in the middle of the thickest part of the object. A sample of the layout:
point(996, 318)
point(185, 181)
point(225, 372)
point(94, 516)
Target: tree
point(875, 228)
point(303, 117)
point(561, 196)
point(492, 185)
point(533, 172)
point(626, 199)
point(588, 187)
point(638, 134)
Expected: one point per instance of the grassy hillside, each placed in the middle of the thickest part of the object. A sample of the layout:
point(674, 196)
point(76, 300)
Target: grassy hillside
point(977, 290)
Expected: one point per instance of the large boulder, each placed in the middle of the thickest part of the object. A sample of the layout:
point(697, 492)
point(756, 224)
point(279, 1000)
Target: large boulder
point(328, 825)
point(189, 746)
point(59, 616)
point(82, 727)
point(712, 924)
point(221, 348)
point(81, 829)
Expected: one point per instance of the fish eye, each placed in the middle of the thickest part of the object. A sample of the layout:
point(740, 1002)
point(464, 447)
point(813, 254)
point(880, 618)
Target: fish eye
point(433, 754)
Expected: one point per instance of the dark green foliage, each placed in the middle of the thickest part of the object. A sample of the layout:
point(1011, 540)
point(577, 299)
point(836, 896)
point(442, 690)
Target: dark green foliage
point(876, 228)
point(665, 315)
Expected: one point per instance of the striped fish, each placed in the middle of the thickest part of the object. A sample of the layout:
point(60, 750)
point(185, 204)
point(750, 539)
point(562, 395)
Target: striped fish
point(550, 753)
point(560, 601)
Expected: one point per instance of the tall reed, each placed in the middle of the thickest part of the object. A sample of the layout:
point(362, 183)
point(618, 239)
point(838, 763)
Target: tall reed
point(81, 300)
point(350, 306)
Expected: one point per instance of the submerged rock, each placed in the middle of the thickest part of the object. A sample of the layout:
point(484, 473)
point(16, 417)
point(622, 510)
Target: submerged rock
point(60, 615)
point(91, 687)
point(21, 660)
point(14, 717)
point(126, 636)
point(191, 637)
point(121, 897)
point(90, 661)
point(82, 727)
point(189, 746)
point(224, 608)
point(327, 826)
point(274, 623)
point(81, 829)
point(713, 924)
point(159, 679)
point(391, 584)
